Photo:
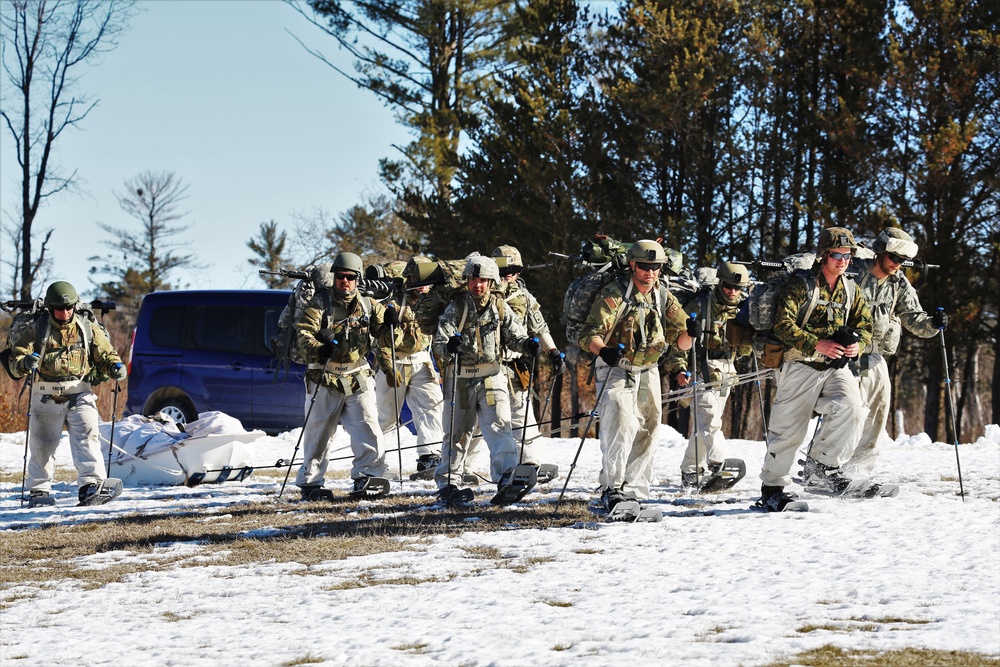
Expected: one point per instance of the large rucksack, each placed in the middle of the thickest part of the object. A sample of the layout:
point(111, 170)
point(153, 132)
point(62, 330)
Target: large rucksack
point(284, 343)
point(34, 314)
point(608, 260)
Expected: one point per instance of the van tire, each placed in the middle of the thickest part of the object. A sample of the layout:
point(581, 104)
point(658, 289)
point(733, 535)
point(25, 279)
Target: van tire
point(177, 409)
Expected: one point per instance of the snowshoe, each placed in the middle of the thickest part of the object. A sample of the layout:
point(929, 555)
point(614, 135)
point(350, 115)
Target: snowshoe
point(829, 480)
point(98, 494)
point(877, 490)
point(40, 499)
point(451, 495)
point(369, 488)
point(724, 476)
point(633, 511)
point(426, 466)
point(318, 493)
point(515, 484)
point(547, 472)
point(774, 499)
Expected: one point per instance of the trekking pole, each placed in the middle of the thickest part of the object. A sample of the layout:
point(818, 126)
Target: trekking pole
point(527, 409)
point(295, 452)
point(694, 405)
point(451, 427)
point(583, 438)
point(114, 409)
point(395, 396)
point(552, 386)
point(27, 431)
point(951, 406)
point(760, 396)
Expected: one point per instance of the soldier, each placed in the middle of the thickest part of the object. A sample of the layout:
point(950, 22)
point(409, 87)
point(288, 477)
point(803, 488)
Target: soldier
point(516, 366)
point(632, 321)
point(335, 333)
point(893, 302)
point(716, 307)
point(414, 379)
point(472, 333)
point(62, 352)
point(810, 319)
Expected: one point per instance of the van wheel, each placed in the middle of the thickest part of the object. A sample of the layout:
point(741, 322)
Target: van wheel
point(178, 410)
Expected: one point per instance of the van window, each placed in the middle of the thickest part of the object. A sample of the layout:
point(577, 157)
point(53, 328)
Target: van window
point(221, 328)
point(271, 317)
point(166, 326)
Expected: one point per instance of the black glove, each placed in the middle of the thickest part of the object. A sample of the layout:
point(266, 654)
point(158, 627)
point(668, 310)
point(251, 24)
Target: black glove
point(531, 347)
point(611, 355)
point(30, 362)
point(556, 358)
point(940, 319)
point(694, 326)
point(119, 372)
point(454, 343)
point(845, 336)
point(328, 341)
point(391, 317)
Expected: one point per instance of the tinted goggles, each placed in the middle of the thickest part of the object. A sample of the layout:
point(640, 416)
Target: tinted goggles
point(648, 266)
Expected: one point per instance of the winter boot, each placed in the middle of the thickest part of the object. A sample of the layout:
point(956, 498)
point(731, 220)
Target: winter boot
point(774, 499)
point(307, 490)
point(426, 466)
point(818, 476)
point(452, 495)
point(689, 480)
point(611, 497)
point(40, 499)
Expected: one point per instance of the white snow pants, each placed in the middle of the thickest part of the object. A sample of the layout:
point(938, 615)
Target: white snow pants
point(80, 417)
point(359, 417)
point(630, 411)
point(708, 417)
point(487, 400)
point(422, 392)
point(875, 394)
point(803, 390)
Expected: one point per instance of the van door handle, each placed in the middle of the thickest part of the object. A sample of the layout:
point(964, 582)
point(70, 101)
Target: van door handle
point(237, 365)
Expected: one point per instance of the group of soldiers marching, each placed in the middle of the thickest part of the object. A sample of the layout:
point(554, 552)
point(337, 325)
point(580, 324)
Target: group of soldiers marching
point(480, 344)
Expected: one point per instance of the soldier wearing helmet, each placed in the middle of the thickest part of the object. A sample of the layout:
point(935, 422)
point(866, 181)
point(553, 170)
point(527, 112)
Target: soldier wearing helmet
point(59, 354)
point(414, 377)
point(894, 304)
point(716, 307)
point(631, 323)
point(823, 320)
point(472, 334)
point(517, 368)
point(336, 331)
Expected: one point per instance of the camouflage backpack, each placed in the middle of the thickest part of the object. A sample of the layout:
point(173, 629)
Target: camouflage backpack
point(284, 343)
point(34, 314)
point(608, 260)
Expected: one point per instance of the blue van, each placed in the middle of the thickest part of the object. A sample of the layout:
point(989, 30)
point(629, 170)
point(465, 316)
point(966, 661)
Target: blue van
point(194, 351)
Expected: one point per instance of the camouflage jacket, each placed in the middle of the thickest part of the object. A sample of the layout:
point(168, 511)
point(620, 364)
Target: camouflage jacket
point(527, 311)
point(65, 357)
point(716, 316)
point(484, 334)
point(410, 336)
point(893, 303)
point(827, 316)
point(357, 322)
point(644, 323)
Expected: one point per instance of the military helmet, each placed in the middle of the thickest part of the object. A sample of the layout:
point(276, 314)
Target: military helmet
point(836, 237)
point(479, 266)
point(733, 275)
point(647, 251)
point(895, 241)
point(348, 261)
point(421, 268)
point(512, 255)
point(61, 293)
point(674, 263)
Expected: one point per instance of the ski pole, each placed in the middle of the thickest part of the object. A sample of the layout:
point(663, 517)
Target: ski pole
point(527, 408)
point(451, 426)
point(395, 395)
point(552, 386)
point(291, 462)
point(951, 406)
point(583, 438)
point(694, 405)
point(114, 410)
point(760, 396)
point(27, 431)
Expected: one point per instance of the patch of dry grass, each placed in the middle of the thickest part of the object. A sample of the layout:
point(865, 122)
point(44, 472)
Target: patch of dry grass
point(833, 656)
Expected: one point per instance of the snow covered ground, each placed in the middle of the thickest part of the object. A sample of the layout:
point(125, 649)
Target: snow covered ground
point(718, 584)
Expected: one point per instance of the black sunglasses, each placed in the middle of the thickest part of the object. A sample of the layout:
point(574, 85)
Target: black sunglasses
point(896, 259)
point(346, 276)
point(648, 266)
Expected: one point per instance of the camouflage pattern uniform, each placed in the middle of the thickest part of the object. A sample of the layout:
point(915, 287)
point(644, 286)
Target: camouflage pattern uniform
point(893, 303)
point(806, 382)
point(344, 394)
point(716, 361)
point(482, 390)
point(630, 406)
point(61, 397)
point(418, 382)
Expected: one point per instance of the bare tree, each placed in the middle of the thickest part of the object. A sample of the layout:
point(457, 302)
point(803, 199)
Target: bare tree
point(152, 198)
point(45, 43)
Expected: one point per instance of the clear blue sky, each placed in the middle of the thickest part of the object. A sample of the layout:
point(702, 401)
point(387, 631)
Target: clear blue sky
point(221, 94)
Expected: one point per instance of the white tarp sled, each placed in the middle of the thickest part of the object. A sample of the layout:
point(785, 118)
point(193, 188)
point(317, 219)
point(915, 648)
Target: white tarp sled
point(155, 450)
